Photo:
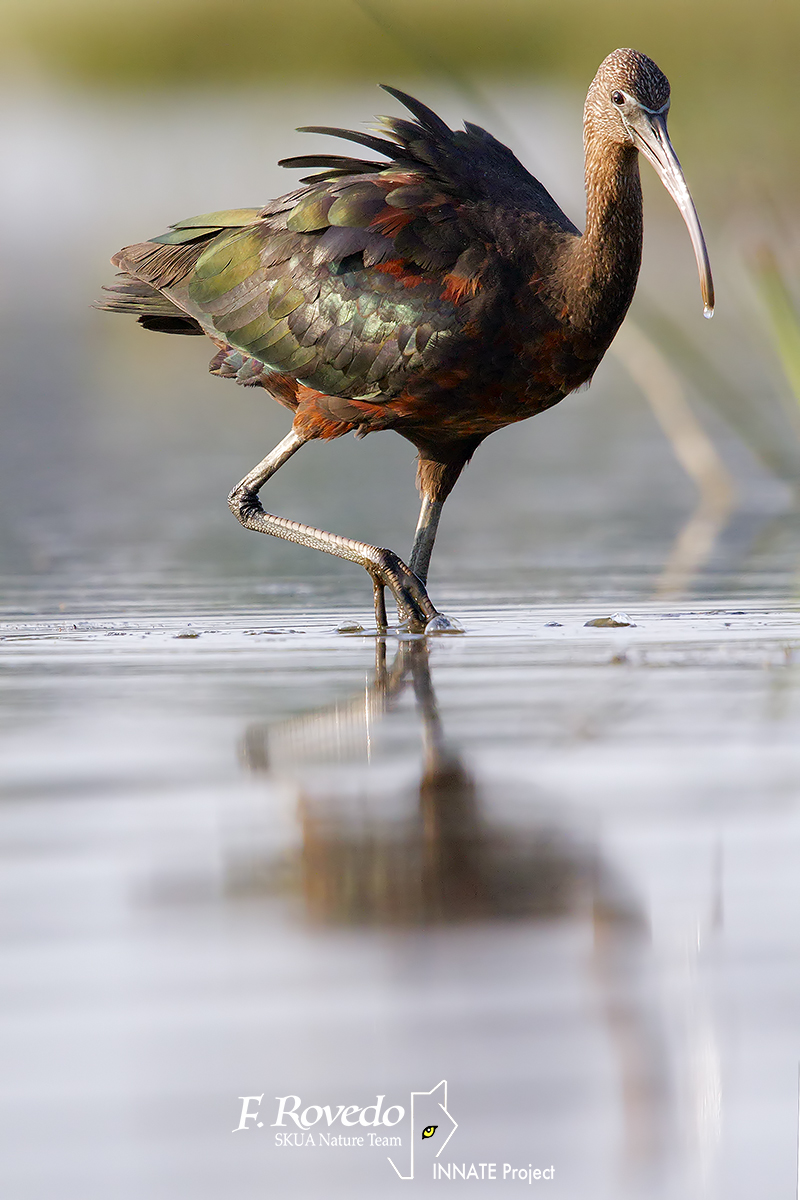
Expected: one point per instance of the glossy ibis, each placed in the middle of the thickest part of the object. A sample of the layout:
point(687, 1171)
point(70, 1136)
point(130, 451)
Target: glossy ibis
point(443, 294)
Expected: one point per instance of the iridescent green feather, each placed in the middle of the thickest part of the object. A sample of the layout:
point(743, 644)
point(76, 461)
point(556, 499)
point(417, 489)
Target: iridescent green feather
point(226, 219)
point(285, 298)
point(310, 213)
point(247, 334)
point(198, 227)
point(356, 207)
point(261, 343)
point(179, 237)
point(279, 352)
point(227, 262)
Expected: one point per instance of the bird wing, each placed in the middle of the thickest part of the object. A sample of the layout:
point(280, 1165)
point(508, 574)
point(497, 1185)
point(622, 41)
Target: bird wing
point(348, 286)
point(365, 275)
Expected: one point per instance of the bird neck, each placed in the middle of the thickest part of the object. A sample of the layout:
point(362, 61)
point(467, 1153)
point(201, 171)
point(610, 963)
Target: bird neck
point(605, 260)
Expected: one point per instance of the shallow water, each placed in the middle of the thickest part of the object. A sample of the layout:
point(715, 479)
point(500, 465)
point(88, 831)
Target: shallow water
point(554, 865)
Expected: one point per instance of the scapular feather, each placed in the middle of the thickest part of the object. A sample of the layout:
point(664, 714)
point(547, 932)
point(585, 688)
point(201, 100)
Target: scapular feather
point(340, 162)
point(379, 145)
point(426, 116)
point(338, 242)
point(356, 206)
point(378, 250)
point(324, 176)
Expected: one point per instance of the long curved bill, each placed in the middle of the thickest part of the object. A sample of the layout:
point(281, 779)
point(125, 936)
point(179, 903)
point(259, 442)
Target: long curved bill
point(649, 132)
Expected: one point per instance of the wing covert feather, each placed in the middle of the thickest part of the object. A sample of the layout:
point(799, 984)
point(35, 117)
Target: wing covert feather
point(348, 285)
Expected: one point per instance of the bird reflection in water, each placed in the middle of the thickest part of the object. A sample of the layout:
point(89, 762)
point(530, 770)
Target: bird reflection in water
point(445, 861)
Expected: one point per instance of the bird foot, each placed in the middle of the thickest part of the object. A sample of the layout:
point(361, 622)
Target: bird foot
point(414, 608)
point(416, 614)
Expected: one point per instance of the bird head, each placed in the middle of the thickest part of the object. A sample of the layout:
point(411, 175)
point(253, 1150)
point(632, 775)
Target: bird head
point(627, 104)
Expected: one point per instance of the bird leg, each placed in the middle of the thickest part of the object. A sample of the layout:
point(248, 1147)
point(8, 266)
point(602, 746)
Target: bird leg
point(425, 536)
point(438, 469)
point(414, 607)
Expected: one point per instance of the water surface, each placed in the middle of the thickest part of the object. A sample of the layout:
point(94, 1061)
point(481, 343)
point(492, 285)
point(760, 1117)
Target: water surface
point(551, 864)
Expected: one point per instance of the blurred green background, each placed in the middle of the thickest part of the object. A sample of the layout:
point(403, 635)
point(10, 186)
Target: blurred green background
point(733, 64)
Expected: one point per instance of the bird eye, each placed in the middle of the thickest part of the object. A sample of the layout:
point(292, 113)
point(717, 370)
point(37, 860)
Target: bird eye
point(617, 98)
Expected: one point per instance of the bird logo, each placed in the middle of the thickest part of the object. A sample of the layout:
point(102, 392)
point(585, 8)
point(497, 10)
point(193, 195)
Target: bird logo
point(427, 1113)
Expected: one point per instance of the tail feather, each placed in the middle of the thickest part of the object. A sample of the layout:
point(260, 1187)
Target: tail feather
point(154, 310)
point(161, 265)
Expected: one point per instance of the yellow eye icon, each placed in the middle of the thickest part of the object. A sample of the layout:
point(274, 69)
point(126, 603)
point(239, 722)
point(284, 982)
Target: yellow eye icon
point(429, 1131)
